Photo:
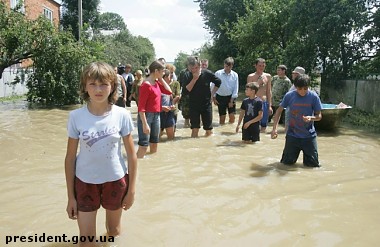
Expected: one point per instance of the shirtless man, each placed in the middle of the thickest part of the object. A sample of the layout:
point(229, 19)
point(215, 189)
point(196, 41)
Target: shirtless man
point(264, 80)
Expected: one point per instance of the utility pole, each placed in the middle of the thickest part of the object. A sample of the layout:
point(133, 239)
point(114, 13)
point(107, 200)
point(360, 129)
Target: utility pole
point(80, 18)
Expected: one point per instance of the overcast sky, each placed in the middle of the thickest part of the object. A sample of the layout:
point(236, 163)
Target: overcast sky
point(171, 25)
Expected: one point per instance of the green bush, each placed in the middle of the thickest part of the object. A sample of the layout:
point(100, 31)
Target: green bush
point(363, 119)
point(57, 64)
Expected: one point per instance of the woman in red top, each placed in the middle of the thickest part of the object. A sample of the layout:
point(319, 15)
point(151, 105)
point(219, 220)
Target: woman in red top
point(149, 108)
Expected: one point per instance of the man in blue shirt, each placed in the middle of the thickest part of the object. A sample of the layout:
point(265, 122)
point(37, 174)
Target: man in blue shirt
point(227, 93)
point(304, 108)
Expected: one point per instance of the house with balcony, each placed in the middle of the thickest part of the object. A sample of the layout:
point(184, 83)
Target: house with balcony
point(31, 9)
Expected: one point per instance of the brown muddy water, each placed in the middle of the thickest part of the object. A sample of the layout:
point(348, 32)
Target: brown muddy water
point(198, 192)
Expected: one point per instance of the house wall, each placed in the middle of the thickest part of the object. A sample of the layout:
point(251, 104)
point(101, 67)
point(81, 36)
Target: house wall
point(9, 75)
point(34, 8)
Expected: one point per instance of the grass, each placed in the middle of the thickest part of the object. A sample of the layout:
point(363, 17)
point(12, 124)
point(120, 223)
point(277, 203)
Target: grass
point(12, 98)
point(363, 119)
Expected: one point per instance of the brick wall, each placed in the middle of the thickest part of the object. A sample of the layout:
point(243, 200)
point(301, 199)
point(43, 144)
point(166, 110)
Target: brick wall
point(35, 8)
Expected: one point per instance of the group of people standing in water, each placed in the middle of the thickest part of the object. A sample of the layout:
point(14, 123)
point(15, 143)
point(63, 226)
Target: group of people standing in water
point(97, 175)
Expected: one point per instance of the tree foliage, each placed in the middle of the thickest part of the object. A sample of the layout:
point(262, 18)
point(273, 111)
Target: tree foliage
point(219, 15)
point(70, 19)
point(203, 53)
point(123, 48)
point(262, 32)
point(110, 21)
point(338, 38)
point(334, 31)
point(180, 61)
point(206, 52)
point(305, 32)
point(57, 65)
point(17, 39)
point(56, 55)
point(144, 51)
point(372, 36)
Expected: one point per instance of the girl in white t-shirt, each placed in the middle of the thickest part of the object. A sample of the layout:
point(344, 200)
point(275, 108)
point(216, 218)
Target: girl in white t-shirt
point(97, 175)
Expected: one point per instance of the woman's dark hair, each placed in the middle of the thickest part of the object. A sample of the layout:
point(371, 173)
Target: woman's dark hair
point(155, 65)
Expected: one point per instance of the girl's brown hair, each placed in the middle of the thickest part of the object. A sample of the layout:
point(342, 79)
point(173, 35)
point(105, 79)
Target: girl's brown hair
point(102, 72)
point(155, 65)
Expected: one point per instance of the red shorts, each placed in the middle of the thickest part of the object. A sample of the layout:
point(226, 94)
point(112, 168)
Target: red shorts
point(110, 194)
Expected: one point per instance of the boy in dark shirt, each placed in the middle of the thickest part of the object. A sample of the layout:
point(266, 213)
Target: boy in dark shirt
point(252, 111)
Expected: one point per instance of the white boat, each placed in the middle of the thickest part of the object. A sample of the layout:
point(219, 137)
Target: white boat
point(332, 116)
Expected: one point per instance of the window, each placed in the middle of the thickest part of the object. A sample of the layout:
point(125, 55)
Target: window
point(14, 4)
point(48, 14)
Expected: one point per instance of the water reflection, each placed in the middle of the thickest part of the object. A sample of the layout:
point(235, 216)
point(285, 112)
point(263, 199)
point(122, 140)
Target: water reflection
point(212, 191)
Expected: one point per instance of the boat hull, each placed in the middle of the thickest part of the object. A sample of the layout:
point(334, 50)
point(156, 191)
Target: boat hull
point(331, 117)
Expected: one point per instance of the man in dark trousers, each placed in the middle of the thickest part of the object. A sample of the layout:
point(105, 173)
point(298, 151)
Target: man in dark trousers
point(128, 78)
point(198, 86)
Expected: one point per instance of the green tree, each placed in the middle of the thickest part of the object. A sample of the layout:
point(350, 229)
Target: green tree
point(17, 39)
point(262, 32)
point(333, 37)
point(372, 36)
point(111, 21)
point(123, 48)
point(218, 16)
point(90, 15)
point(310, 33)
point(202, 53)
point(57, 58)
point(57, 64)
point(205, 52)
point(334, 32)
point(145, 52)
point(180, 62)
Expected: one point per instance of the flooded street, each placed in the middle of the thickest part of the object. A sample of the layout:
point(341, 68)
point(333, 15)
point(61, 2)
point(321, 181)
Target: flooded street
point(201, 192)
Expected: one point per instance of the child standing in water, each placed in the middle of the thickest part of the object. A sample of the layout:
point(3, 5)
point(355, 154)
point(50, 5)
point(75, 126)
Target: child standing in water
point(149, 108)
point(252, 111)
point(168, 115)
point(98, 175)
point(136, 86)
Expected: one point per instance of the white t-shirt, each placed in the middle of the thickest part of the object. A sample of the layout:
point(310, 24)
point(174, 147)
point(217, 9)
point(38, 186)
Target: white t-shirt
point(100, 159)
